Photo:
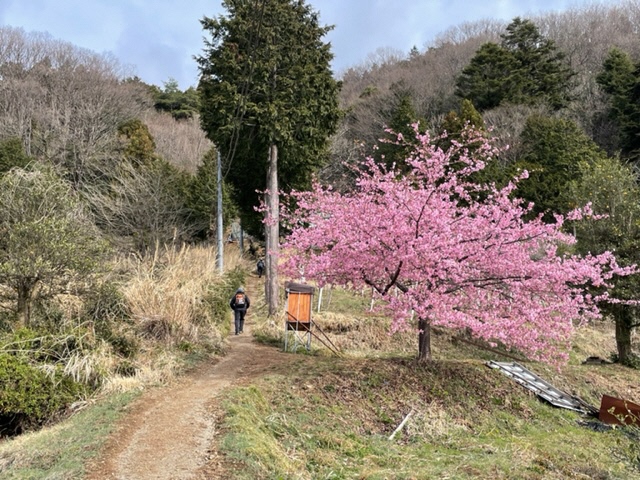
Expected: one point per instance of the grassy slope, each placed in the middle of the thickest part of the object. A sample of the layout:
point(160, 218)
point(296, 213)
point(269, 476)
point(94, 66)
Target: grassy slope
point(60, 452)
point(331, 418)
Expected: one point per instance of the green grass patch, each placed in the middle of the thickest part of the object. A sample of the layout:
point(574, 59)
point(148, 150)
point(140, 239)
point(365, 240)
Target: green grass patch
point(61, 452)
point(328, 418)
point(337, 299)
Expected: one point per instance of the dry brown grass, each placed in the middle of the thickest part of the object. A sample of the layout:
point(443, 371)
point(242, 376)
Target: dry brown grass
point(597, 339)
point(434, 423)
point(165, 292)
point(357, 334)
point(151, 369)
point(364, 333)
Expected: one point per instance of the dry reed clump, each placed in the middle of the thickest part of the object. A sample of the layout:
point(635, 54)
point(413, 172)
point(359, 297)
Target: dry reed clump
point(595, 340)
point(160, 371)
point(165, 293)
point(88, 367)
point(73, 350)
point(165, 296)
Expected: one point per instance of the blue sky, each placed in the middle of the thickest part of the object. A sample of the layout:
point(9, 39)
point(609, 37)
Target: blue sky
point(157, 39)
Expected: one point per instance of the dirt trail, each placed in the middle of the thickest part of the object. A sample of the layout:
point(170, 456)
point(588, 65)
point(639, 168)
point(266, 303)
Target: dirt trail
point(170, 432)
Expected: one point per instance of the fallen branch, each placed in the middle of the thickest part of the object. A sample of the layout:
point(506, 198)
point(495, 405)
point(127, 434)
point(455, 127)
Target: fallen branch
point(401, 425)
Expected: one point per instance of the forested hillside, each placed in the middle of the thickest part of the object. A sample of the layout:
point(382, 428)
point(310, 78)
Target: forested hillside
point(105, 191)
point(373, 92)
point(107, 184)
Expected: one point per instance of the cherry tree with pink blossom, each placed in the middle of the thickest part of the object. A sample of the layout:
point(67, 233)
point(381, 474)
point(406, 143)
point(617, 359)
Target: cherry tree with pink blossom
point(462, 255)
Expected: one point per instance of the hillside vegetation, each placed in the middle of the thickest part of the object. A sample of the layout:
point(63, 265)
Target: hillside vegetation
point(109, 280)
point(325, 416)
point(332, 417)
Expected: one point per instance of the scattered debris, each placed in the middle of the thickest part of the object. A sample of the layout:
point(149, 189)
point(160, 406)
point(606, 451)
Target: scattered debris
point(595, 361)
point(613, 411)
point(596, 426)
point(401, 425)
point(616, 411)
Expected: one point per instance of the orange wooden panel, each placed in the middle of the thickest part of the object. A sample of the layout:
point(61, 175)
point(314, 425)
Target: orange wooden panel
point(299, 307)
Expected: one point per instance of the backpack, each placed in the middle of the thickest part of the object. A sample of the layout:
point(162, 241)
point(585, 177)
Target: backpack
point(240, 299)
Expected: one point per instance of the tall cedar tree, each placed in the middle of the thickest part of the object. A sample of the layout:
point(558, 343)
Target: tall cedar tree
point(455, 123)
point(620, 79)
point(526, 68)
point(552, 151)
point(202, 198)
point(455, 127)
point(266, 79)
point(181, 105)
point(402, 118)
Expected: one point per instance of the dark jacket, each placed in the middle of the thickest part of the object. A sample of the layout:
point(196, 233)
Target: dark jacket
point(236, 302)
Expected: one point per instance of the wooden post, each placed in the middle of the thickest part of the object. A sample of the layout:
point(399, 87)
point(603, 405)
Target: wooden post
point(319, 300)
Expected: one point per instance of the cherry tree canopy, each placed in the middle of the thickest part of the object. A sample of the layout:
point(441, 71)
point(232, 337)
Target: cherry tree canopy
point(462, 254)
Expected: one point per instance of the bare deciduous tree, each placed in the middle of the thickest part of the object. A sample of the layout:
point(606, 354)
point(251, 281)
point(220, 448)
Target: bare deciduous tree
point(64, 102)
point(181, 142)
point(140, 207)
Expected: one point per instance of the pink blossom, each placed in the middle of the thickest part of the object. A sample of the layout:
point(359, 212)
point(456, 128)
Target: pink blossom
point(461, 262)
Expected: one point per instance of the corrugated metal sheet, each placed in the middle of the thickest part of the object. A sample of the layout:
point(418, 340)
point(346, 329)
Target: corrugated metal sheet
point(542, 388)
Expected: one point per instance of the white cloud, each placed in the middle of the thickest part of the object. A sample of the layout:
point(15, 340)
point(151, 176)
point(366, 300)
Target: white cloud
point(160, 37)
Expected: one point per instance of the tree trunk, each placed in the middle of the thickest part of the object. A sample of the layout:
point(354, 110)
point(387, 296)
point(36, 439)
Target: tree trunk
point(24, 304)
point(623, 315)
point(424, 340)
point(272, 233)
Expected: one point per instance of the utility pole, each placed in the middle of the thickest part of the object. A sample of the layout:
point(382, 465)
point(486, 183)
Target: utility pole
point(219, 215)
point(272, 233)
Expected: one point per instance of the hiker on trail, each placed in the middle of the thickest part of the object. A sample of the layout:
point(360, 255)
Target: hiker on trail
point(260, 267)
point(239, 303)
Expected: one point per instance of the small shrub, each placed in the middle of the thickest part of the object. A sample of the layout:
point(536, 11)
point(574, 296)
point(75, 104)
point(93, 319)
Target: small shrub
point(42, 346)
point(186, 346)
point(105, 304)
point(46, 315)
point(235, 278)
point(107, 309)
point(29, 397)
point(126, 369)
point(633, 361)
point(8, 319)
point(124, 345)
